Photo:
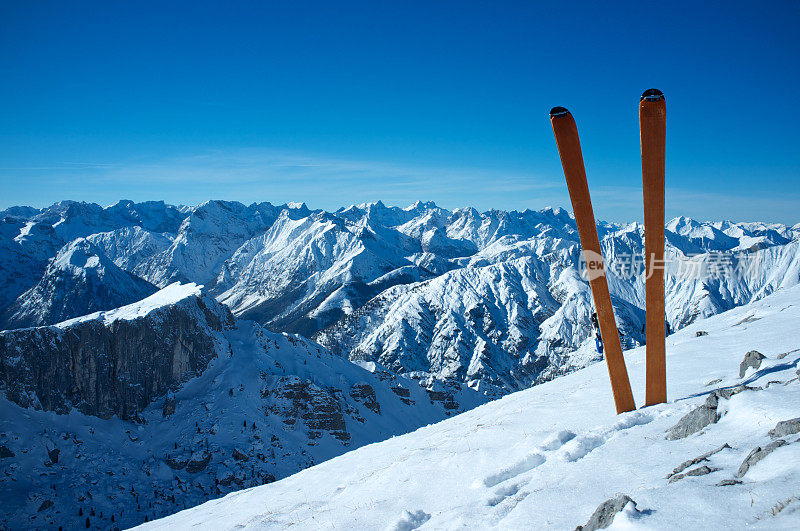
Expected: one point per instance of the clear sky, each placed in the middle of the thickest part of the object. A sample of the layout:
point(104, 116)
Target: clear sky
point(335, 103)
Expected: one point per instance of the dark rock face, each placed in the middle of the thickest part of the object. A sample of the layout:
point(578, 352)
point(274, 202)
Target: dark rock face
point(53, 455)
point(114, 369)
point(404, 394)
point(444, 397)
point(318, 407)
point(605, 512)
point(5, 452)
point(364, 393)
point(785, 427)
point(751, 359)
point(198, 462)
point(177, 463)
point(169, 407)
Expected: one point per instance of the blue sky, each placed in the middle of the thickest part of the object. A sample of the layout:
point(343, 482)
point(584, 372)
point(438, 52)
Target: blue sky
point(335, 103)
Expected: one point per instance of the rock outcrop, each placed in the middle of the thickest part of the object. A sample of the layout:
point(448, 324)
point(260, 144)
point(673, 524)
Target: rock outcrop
point(785, 427)
point(115, 368)
point(295, 399)
point(605, 513)
point(757, 454)
point(705, 414)
point(751, 360)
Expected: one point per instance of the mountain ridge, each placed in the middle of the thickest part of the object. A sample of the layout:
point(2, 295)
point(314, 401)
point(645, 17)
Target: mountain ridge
point(313, 272)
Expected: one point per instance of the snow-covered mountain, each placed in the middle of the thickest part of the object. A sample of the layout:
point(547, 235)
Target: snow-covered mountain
point(724, 453)
point(492, 299)
point(137, 412)
point(79, 280)
point(517, 312)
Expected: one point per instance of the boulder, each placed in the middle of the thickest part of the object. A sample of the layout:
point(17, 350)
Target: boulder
point(169, 407)
point(696, 419)
point(177, 463)
point(5, 452)
point(706, 414)
point(198, 462)
point(751, 359)
point(785, 427)
point(605, 513)
point(53, 455)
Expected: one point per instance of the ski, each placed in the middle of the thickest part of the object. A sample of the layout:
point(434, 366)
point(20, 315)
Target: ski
point(569, 149)
point(652, 127)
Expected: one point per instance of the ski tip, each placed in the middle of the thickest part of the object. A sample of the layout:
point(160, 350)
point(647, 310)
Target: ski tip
point(558, 111)
point(652, 95)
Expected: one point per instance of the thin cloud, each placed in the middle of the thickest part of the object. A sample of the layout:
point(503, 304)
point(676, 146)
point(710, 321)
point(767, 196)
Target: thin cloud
point(249, 175)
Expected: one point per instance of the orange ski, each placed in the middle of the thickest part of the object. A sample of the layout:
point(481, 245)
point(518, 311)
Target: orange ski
point(569, 148)
point(653, 130)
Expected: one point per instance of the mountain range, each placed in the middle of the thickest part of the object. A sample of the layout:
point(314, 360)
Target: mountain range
point(492, 299)
point(154, 357)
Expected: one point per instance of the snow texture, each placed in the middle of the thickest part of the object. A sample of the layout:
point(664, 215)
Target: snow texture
point(547, 457)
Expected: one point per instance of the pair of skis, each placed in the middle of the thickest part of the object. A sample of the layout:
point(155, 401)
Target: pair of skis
point(652, 124)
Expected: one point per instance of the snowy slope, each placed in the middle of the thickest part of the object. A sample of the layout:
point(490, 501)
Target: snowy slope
point(546, 457)
point(518, 312)
point(165, 403)
point(206, 238)
point(80, 279)
point(286, 276)
point(25, 249)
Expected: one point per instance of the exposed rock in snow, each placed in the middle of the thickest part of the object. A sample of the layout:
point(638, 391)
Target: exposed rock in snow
point(696, 419)
point(546, 457)
point(170, 401)
point(605, 513)
point(785, 427)
point(699, 471)
point(752, 360)
point(705, 414)
point(699, 459)
point(757, 454)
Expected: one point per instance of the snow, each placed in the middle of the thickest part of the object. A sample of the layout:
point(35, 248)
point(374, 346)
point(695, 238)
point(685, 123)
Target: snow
point(310, 272)
point(546, 457)
point(122, 468)
point(172, 294)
